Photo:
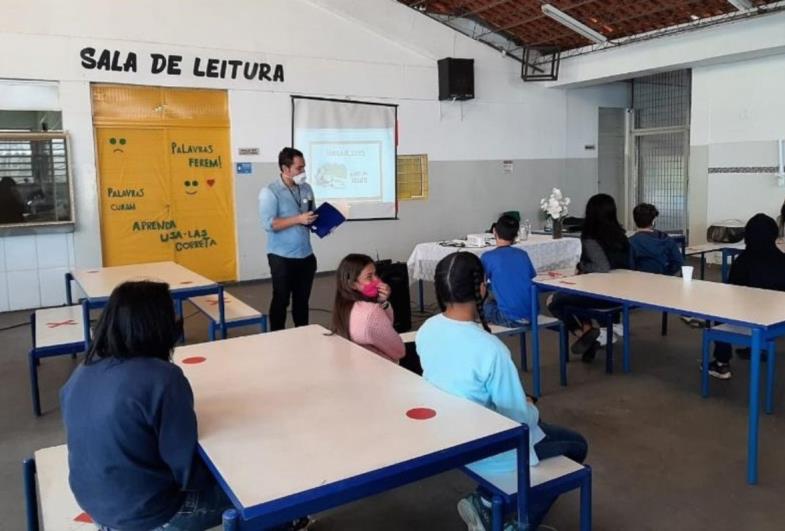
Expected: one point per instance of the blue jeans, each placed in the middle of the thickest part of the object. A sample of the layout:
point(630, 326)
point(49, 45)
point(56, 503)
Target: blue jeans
point(557, 441)
point(201, 509)
point(494, 315)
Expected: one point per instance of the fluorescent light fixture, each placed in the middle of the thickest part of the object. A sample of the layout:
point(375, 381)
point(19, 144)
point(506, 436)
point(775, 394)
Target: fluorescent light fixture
point(741, 5)
point(575, 25)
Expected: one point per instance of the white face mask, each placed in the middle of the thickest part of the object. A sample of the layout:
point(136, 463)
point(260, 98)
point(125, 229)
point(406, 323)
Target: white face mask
point(299, 178)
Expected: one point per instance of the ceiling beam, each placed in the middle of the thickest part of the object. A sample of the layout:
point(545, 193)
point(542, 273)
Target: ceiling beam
point(539, 16)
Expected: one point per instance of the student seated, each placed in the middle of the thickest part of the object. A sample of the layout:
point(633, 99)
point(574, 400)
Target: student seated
point(604, 247)
point(362, 313)
point(760, 265)
point(461, 357)
point(653, 251)
point(509, 272)
point(130, 422)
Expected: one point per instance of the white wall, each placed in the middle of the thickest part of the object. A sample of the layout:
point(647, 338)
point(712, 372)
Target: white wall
point(375, 50)
point(738, 113)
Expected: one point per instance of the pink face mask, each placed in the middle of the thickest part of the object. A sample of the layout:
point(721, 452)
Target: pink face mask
point(371, 290)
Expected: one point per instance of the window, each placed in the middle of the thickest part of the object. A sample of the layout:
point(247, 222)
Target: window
point(412, 177)
point(35, 185)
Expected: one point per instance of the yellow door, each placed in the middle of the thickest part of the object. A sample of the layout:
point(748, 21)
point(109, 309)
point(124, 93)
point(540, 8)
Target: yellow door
point(165, 178)
point(135, 195)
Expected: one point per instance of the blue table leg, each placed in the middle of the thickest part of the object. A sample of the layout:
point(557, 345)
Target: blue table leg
point(535, 312)
point(421, 293)
point(725, 258)
point(222, 311)
point(523, 480)
point(703, 266)
point(586, 504)
point(705, 365)
point(754, 407)
point(231, 520)
point(86, 320)
point(771, 364)
point(497, 513)
point(68, 295)
point(31, 494)
point(625, 316)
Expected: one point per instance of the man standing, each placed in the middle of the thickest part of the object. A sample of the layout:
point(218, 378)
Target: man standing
point(286, 209)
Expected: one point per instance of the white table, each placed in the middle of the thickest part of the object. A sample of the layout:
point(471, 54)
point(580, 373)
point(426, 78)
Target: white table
point(99, 282)
point(297, 421)
point(728, 250)
point(545, 253)
point(760, 311)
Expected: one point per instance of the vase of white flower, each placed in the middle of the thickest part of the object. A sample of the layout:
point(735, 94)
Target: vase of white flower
point(557, 229)
point(556, 208)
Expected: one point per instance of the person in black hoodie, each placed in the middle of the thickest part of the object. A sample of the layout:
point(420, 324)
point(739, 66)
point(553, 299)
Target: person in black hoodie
point(653, 251)
point(760, 265)
point(604, 247)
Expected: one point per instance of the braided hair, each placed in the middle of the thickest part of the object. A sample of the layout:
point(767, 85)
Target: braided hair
point(458, 279)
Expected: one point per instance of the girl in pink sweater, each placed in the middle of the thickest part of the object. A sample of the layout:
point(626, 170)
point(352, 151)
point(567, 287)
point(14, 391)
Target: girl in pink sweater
point(361, 312)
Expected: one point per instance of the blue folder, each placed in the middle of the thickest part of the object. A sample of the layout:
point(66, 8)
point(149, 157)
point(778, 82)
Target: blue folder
point(329, 218)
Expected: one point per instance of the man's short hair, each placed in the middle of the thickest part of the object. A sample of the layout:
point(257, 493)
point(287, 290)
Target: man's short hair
point(644, 215)
point(507, 227)
point(287, 155)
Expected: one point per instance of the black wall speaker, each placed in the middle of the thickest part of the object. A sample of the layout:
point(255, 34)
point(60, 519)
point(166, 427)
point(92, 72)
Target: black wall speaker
point(456, 79)
point(396, 274)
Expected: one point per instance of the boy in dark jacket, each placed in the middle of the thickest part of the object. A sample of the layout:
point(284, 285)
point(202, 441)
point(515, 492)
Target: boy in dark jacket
point(653, 251)
point(760, 265)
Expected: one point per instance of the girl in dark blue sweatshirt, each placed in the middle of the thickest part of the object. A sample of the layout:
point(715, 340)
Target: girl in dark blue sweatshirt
point(130, 422)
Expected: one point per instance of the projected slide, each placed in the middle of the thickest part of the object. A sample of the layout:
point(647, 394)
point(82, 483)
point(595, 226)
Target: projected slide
point(351, 163)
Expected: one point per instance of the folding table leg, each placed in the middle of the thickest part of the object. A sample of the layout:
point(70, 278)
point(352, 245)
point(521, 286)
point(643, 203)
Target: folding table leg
point(231, 520)
point(770, 370)
point(497, 513)
point(586, 504)
point(754, 407)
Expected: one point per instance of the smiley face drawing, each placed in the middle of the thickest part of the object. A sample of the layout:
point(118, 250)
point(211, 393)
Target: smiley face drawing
point(191, 187)
point(116, 143)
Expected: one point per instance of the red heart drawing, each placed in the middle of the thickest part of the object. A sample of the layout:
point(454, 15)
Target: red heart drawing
point(210, 182)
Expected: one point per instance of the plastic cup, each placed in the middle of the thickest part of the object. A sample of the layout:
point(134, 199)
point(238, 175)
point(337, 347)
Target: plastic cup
point(686, 273)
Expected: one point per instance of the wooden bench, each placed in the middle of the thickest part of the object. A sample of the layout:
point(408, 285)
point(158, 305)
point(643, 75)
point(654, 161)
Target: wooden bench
point(237, 313)
point(50, 504)
point(55, 332)
point(556, 475)
point(48, 499)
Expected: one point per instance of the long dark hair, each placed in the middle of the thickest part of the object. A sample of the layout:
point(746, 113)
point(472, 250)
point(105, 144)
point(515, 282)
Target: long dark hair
point(138, 321)
point(602, 224)
point(458, 279)
point(345, 295)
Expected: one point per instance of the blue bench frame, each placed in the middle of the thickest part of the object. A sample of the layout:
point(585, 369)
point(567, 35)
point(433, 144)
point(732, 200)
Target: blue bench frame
point(734, 338)
point(503, 503)
point(261, 320)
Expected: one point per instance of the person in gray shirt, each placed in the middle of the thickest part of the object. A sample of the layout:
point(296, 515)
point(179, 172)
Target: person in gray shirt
point(604, 247)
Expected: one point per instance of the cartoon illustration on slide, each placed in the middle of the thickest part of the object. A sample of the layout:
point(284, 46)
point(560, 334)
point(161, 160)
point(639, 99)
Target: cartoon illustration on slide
point(191, 187)
point(331, 175)
point(117, 142)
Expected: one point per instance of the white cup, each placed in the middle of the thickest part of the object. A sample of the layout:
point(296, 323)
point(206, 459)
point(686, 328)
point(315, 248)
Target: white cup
point(686, 273)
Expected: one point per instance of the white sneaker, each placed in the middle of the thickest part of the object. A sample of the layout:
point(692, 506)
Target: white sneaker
point(618, 330)
point(602, 339)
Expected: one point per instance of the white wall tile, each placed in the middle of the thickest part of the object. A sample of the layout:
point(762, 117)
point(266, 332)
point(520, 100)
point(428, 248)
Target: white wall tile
point(52, 283)
point(20, 253)
point(52, 250)
point(23, 290)
point(3, 292)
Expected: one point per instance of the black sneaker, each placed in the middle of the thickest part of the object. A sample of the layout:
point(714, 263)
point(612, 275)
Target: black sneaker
point(718, 370)
point(590, 354)
point(585, 342)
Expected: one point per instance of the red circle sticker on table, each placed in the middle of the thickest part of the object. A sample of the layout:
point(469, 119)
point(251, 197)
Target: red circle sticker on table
point(421, 413)
point(193, 360)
